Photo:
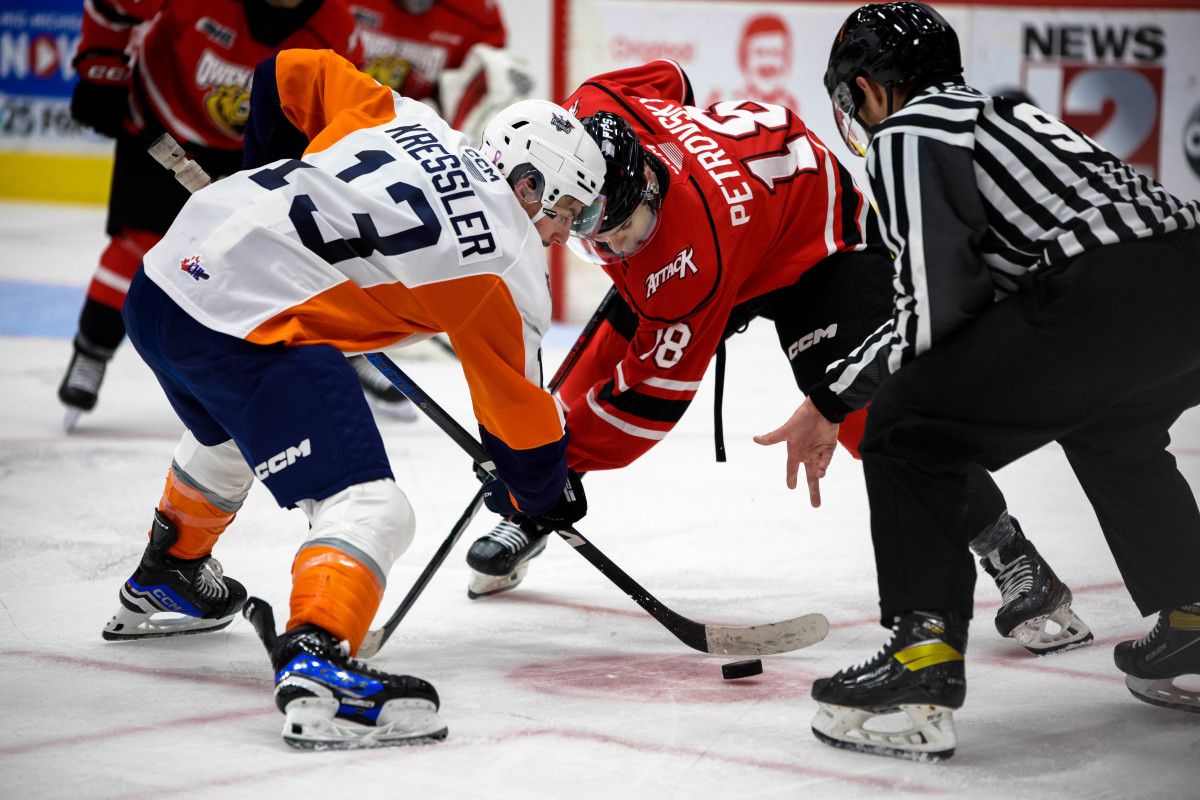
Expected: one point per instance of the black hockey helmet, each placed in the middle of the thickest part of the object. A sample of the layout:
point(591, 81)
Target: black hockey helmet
point(624, 177)
point(892, 44)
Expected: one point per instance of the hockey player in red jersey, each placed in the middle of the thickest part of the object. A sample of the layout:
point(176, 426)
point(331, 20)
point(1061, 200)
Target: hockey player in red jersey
point(450, 55)
point(388, 229)
point(149, 66)
point(714, 217)
point(447, 53)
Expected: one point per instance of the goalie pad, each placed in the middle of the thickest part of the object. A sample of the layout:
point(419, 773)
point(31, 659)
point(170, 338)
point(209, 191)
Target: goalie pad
point(488, 80)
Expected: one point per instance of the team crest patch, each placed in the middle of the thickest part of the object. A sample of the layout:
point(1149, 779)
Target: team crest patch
point(561, 123)
point(192, 266)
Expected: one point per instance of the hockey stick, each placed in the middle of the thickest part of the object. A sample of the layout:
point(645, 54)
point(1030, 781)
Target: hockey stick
point(377, 637)
point(753, 640)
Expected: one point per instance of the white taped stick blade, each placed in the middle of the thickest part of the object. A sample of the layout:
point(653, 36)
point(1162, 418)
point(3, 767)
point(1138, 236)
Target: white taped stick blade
point(311, 723)
point(765, 640)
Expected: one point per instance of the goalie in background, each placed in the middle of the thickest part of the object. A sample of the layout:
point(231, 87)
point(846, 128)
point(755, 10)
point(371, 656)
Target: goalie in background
point(362, 221)
point(147, 67)
point(450, 55)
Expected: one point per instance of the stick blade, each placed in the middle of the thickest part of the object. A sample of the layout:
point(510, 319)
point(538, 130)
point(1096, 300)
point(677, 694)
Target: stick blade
point(370, 643)
point(764, 640)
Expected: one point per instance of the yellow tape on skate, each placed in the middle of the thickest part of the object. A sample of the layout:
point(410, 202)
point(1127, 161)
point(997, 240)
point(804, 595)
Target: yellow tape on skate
point(1185, 621)
point(920, 656)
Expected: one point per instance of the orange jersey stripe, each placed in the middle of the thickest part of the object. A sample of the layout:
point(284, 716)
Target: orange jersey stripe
point(325, 97)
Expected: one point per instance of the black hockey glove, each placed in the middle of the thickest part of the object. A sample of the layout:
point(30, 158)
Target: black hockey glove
point(571, 507)
point(101, 97)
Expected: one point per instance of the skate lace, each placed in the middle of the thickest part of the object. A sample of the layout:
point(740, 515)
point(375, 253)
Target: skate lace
point(86, 373)
point(1145, 640)
point(210, 581)
point(883, 652)
point(1015, 578)
point(510, 535)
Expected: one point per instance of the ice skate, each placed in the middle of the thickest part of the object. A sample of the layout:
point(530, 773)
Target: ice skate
point(170, 596)
point(80, 387)
point(333, 702)
point(1036, 609)
point(900, 702)
point(1171, 650)
point(500, 558)
point(383, 396)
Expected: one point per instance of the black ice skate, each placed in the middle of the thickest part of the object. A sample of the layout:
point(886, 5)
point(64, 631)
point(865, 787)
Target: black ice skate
point(500, 558)
point(170, 596)
point(1036, 608)
point(1170, 651)
point(80, 387)
point(383, 396)
point(900, 702)
point(333, 702)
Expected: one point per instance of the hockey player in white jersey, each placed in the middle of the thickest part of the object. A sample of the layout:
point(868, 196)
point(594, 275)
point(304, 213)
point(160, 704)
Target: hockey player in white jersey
point(379, 226)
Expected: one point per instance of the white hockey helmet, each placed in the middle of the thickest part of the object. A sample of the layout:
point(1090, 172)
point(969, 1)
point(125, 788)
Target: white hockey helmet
point(542, 141)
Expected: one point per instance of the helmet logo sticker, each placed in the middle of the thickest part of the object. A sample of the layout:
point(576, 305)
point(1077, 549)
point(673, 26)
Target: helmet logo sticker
point(561, 123)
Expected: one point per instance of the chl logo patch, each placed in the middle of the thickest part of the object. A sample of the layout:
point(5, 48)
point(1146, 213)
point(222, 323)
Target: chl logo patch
point(281, 461)
point(561, 123)
point(193, 266)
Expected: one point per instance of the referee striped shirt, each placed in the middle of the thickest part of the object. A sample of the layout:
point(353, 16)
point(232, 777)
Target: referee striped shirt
point(974, 192)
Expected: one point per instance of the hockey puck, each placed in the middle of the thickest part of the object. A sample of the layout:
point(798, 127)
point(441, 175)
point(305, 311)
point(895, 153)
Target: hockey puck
point(741, 669)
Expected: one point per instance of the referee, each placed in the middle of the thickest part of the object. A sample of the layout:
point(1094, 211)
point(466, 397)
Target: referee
point(1045, 292)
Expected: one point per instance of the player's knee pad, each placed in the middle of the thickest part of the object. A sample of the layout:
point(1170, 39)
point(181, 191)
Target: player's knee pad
point(372, 522)
point(219, 472)
point(205, 488)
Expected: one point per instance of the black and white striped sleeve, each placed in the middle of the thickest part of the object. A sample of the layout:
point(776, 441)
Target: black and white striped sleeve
point(933, 220)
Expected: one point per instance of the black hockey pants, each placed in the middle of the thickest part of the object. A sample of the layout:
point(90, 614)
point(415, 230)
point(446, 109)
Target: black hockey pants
point(1102, 356)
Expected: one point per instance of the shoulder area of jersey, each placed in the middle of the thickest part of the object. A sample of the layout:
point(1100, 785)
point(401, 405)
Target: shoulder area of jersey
point(942, 102)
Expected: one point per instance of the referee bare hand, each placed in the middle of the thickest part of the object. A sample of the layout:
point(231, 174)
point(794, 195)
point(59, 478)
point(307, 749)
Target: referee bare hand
point(811, 440)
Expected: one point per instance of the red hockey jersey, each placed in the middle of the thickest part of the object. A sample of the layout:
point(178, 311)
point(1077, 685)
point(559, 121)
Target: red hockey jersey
point(408, 52)
point(753, 201)
point(193, 61)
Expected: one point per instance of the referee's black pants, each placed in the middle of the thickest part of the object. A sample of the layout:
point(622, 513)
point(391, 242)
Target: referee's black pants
point(1102, 356)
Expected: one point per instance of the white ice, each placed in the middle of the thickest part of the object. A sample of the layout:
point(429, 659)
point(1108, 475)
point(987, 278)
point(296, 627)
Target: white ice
point(561, 689)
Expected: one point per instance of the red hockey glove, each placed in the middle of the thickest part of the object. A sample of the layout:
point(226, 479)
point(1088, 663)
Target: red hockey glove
point(101, 97)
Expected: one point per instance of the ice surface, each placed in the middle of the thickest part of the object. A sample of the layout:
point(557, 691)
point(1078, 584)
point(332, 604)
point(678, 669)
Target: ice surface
point(562, 689)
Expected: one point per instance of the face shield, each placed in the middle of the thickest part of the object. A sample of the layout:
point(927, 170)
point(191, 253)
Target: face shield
point(587, 222)
point(845, 116)
point(624, 240)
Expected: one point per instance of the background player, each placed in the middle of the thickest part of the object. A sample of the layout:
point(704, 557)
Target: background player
point(450, 55)
point(788, 237)
point(183, 68)
point(391, 228)
point(1093, 344)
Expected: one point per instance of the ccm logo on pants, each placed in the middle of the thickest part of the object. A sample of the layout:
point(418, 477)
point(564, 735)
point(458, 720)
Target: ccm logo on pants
point(809, 339)
point(283, 460)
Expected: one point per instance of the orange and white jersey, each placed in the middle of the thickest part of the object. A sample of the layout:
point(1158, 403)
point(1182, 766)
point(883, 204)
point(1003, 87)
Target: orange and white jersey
point(388, 229)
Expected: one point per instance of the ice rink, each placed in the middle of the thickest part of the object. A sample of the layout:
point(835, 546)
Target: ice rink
point(563, 688)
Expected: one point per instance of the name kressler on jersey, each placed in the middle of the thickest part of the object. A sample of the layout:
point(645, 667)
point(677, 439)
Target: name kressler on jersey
point(449, 179)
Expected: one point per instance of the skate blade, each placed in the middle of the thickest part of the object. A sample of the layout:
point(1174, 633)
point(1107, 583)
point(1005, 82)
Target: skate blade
point(128, 624)
point(1034, 636)
point(1164, 693)
point(311, 723)
point(923, 733)
point(482, 585)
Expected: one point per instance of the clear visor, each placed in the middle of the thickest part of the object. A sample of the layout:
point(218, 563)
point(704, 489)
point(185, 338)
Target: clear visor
point(587, 222)
point(845, 116)
point(623, 241)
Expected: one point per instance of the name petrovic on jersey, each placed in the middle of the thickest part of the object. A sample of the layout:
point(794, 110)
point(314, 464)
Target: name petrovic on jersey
point(449, 179)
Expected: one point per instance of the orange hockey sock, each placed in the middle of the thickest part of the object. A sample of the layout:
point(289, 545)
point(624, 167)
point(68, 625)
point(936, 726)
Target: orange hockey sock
point(198, 520)
point(334, 591)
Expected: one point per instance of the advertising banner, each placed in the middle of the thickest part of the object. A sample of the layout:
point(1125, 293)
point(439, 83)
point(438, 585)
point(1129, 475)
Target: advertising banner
point(37, 41)
point(1130, 79)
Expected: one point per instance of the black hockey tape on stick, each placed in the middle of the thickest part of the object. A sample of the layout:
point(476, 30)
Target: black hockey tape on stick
point(775, 637)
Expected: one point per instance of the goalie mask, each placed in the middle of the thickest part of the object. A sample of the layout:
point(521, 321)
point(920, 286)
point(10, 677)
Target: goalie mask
point(545, 143)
